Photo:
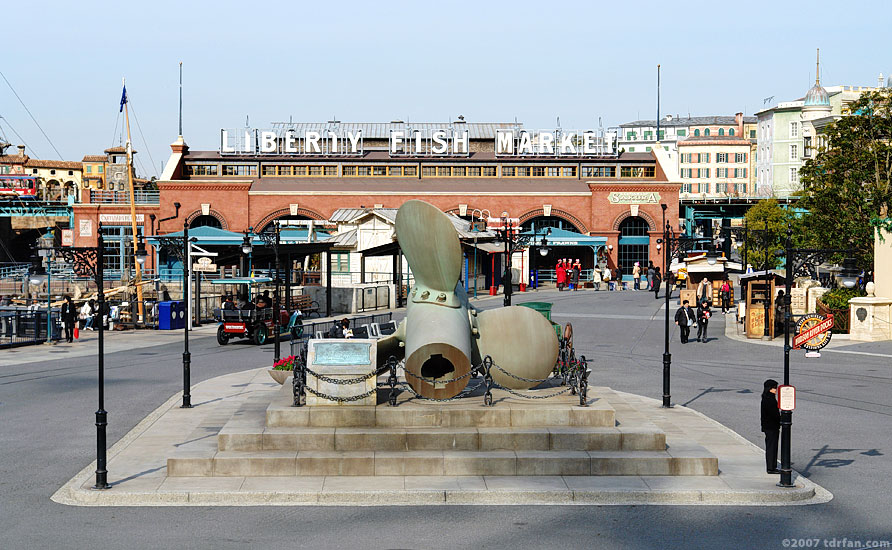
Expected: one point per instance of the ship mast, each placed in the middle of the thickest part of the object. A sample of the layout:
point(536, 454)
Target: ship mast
point(133, 228)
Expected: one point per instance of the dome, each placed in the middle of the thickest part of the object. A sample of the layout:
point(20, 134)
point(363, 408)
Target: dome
point(817, 97)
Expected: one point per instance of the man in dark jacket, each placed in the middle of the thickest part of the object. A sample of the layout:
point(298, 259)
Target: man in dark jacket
point(657, 281)
point(68, 314)
point(703, 315)
point(684, 318)
point(770, 425)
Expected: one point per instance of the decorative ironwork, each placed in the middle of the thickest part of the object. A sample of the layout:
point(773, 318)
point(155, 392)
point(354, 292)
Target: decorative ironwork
point(84, 259)
point(171, 245)
point(803, 261)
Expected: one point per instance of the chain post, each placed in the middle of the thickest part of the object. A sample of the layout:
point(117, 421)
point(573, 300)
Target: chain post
point(298, 379)
point(392, 380)
point(487, 379)
point(583, 382)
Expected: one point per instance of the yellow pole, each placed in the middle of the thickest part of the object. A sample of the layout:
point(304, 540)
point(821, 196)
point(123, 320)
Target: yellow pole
point(133, 211)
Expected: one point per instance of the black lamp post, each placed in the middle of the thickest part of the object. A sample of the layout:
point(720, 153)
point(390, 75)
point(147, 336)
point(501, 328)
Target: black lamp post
point(90, 260)
point(274, 239)
point(672, 246)
point(247, 247)
point(800, 262)
point(180, 249)
point(514, 242)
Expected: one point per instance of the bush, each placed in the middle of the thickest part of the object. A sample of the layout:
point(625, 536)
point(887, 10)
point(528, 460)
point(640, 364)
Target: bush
point(838, 298)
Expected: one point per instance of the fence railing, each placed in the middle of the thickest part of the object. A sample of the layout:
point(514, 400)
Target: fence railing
point(123, 197)
point(20, 327)
point(310, 329)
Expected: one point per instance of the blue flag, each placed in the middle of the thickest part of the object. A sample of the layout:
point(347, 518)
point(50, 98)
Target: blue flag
point(123, 99)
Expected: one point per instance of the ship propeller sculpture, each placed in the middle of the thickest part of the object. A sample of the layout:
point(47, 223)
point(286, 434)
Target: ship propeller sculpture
point(443, 337)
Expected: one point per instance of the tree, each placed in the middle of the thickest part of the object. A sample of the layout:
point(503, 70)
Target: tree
point(846, 187)
point(767, 225)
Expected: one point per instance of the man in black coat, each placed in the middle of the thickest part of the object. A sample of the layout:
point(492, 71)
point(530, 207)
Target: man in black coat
point(684, 318)
point(68, 315)
point(703, 315)
point(770, 425)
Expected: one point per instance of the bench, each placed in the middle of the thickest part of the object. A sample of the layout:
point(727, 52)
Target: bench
point(305, 304)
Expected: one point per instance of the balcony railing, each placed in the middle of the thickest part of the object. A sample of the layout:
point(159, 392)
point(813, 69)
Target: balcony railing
point(123, 197)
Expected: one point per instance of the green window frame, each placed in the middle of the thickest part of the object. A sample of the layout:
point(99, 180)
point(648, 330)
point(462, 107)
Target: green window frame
point(340, 261)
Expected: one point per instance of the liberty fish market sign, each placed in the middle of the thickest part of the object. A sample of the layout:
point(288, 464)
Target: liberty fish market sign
point(633, 197)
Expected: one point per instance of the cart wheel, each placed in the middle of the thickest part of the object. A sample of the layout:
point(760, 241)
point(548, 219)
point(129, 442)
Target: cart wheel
point(222, 337)
point(260, 335)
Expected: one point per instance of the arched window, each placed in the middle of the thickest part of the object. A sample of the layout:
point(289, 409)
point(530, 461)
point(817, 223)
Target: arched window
point(540, 222)
point(696, 133)
point(706, 132)
point(730, 131)
point(721, 131)
point(206, 221)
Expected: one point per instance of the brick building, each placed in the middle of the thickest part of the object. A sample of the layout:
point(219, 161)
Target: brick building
point(574, 181)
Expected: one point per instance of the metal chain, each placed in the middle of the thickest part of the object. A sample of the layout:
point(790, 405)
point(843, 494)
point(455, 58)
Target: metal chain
point(521, 378)
point(518, 394)
point(341, 399)
point(464, 393)
point(341, 381)
point(436, 380)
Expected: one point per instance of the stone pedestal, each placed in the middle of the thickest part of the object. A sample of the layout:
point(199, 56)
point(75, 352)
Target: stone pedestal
point(813, 294)
point(341, 359)
point(871, 319)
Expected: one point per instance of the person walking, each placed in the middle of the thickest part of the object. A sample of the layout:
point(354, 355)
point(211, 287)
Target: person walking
point(636, 276)
point(703, 315)
point(607, 279)
point(561, 275)
point(577, 269)
point(770, 425)
point(685, 319)
point(657, 281)
point(703, 290)
point(68, 315)
point(650, 275)
point(725, 293)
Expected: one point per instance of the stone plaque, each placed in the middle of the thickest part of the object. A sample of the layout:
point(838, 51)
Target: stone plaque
point(633, 197)
point(343, 353)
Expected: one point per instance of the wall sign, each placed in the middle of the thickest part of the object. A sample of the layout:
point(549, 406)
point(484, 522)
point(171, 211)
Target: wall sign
point(86, 228)
point(633, 197)
point(120, 219)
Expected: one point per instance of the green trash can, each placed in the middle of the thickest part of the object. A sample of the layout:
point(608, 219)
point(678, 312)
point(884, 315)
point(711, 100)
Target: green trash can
point(542, 307)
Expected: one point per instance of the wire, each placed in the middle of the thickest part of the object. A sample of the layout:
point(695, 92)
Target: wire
point(30, 115)
point(139, 128)
point(20, 137)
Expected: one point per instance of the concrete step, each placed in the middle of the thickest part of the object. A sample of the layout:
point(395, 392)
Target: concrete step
point(238, 435)
point(697, 462)
point(413, 415)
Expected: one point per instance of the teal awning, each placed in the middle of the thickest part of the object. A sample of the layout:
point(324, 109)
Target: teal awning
point(563, 237)
point(241, 281)
point(212, 236)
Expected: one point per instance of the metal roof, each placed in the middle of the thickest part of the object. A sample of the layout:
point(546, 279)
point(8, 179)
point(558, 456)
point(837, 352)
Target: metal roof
point(381, 130)
point(347, 238)
point(348, 215)
point(690, 121)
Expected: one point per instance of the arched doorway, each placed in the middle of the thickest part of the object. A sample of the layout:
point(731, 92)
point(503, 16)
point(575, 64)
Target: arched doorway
point(545, 264)
point(205, 221)
point(540, 222)
point(634, 244)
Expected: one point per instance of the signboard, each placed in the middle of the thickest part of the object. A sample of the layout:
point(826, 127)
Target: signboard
point(86, 228)
point(342, 353)
point(443, 141)
point(204, 265)
point(633, 197)
point(67, 237)
point(119, 219)
point(786, 398)
point(813, 332)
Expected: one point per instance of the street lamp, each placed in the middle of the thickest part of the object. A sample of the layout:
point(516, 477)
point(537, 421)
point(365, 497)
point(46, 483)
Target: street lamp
point(514, 242)
point(180, 248)
point(800, 262)
point(45, 253)
point(273, 240)
point(90, 260)
point(475, 230)
point(672, 247)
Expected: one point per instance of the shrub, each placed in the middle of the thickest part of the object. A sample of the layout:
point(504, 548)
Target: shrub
point(838, 298)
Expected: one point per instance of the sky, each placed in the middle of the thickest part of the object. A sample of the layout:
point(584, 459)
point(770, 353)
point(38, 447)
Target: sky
point(414, 61)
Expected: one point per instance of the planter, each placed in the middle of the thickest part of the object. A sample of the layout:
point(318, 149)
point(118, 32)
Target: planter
point(841, 317)
point(280, 376)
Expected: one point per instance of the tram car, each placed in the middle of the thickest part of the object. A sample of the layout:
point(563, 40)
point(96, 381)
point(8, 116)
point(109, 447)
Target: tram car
point(17, 187)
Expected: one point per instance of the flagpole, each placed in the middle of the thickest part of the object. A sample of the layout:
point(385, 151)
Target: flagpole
point(140, 307)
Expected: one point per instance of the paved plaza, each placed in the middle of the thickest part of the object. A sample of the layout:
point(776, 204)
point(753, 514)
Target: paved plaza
point(47, 400)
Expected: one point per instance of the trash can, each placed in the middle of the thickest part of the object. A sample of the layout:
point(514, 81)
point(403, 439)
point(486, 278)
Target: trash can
point(542, 307)
point(180, 314)
point(167, 316)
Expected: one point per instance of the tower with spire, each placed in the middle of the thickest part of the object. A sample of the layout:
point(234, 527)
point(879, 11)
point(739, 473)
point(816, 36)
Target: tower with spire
point(817, 100)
